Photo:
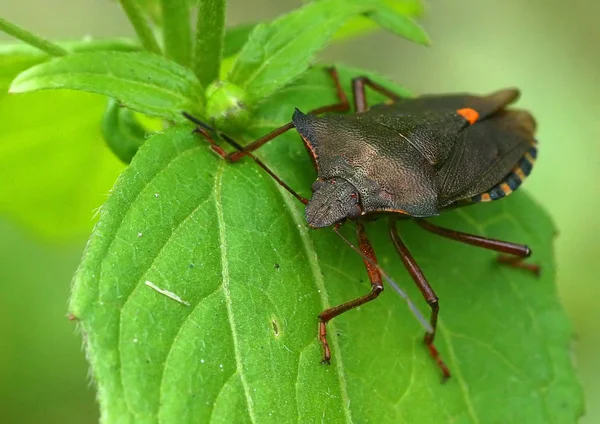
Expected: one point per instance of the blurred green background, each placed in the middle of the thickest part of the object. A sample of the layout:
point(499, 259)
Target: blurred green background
point(547, 48)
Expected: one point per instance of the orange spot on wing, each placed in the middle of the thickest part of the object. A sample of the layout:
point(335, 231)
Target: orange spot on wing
point(469, 114)
point(485, 197)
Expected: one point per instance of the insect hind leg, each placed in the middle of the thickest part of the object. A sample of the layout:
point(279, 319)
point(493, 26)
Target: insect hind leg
point(427, 292)
point(512, 254)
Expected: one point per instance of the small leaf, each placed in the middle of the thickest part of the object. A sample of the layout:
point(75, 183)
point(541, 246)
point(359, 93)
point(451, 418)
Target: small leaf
point(141, 81)
point(236, 37)
point(177, 32)
point(229, 241)
point(399, 24)
point(210, 30)
point(361, 25)
point(122, 132)
point(279, 51)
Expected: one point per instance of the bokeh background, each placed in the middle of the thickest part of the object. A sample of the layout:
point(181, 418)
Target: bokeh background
point(547, 48)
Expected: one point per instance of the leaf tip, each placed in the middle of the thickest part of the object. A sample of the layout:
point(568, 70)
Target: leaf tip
point(17, 86)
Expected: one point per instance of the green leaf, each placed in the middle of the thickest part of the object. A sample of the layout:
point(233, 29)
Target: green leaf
point(279, 51)
point(234, 245)
point(177, 32)
point(55, 166)
point(73, 46)
point(142, 81)
point(210, 30)
point(122, 132)
point(235, 38)
point(399, 24)
point(361, 25)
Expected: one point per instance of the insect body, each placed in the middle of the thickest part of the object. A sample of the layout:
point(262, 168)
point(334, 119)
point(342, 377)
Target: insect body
point(414, 157)
point(407, 158)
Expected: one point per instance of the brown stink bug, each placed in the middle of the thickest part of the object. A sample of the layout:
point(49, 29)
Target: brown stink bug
point(407, 158)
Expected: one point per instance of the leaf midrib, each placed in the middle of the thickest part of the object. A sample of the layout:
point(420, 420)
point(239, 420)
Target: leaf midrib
point(112, 77)
point(225, 285)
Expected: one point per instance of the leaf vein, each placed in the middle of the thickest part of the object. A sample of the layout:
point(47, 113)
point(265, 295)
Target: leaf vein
point(225, 274)
point(176, 339)
point(320, 285)
point(443, 331)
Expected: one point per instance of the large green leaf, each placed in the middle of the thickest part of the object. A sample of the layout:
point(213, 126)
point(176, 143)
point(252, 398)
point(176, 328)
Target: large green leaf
point(54, 171)
point(239, 343)
point(141, 81)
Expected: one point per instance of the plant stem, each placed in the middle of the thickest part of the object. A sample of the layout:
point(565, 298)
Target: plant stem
point(140, 24)
point(177, 32)
point(32, 39)
point(210, 31)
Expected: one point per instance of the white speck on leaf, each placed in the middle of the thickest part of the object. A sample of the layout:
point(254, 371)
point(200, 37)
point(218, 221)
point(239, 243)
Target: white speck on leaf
point(140, 234)
point(167, 293)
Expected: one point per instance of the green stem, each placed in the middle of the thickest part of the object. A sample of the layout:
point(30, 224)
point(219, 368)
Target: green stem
point(177, 31)
point(140, 24)
point(32, 39)
point(210, 31)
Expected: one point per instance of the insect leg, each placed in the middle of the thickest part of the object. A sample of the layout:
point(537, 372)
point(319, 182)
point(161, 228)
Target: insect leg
point(376, 289)
point(360, 97)
point(219, 150)
point(518, 252)
point(426, 290)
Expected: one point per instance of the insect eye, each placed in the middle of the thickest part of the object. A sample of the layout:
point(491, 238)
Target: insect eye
point(316, 185)
point(355, 212)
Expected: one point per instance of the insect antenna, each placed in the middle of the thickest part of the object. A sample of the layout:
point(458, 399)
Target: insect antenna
point(237, 146)
point(413, 308)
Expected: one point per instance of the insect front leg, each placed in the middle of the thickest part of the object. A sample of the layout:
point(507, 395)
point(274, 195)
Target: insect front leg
point(376, 289)
point(427, 292)
point(513, 254)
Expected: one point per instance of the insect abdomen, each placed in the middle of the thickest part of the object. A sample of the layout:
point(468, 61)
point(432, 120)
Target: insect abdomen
point(512, 181)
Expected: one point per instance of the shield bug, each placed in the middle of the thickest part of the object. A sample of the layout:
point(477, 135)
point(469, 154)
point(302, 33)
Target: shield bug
point(406, 158)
